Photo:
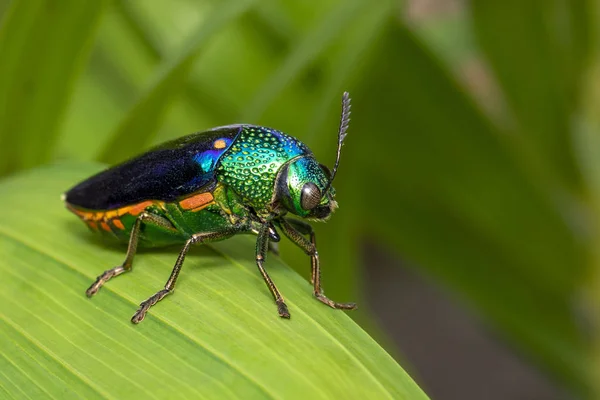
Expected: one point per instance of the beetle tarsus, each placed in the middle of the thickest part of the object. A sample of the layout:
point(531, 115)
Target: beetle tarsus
point(283, 310)
point(102, 279)
point(339, 306)
point(145, 305)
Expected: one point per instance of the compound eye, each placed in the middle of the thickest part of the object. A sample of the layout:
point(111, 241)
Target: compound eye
point(310, 196)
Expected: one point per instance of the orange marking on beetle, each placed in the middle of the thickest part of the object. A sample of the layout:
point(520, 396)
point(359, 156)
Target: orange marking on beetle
point(110, 215)
point(98, 216)
point(137, 209)
point(104, 217)
point(202, 207)
point(122, 211)
point(105, 226)
point(197, 201)
point(72, 209)
point(118, 224)
point(84, 215)
point(81, 214)
point(219, 144)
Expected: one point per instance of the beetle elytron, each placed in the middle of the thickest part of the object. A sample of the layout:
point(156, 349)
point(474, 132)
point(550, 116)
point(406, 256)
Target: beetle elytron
point(209, 186)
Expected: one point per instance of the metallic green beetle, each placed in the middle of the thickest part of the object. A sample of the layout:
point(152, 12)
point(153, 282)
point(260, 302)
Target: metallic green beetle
point(209, 186)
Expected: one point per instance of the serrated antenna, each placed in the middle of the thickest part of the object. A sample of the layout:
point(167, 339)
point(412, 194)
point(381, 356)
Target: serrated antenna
point(344, 122)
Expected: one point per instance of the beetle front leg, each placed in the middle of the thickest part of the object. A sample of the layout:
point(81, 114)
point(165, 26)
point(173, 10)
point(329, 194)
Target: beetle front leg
point(143, 218)
point(294, 230)
point(262, 244)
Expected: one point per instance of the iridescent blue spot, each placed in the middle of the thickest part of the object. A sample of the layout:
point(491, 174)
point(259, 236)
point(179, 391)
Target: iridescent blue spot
point(208, 158)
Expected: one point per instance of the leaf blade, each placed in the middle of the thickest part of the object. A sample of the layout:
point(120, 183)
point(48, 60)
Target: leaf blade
point(44, 45)
point(221, 321)
point(302, 54)
point(538, 52)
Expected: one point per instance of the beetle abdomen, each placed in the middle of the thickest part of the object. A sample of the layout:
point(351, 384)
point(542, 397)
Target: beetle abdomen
point(113, 221)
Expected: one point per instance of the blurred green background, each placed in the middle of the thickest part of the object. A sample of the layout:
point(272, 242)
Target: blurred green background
point(473, 155)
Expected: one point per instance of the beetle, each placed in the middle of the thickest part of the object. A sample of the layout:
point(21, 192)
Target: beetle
point(210, 186)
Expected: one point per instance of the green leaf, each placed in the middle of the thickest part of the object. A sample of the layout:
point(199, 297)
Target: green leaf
point(357, 45)
point(44, 45)
point(317, 40)
point(140, 124)
point(218, 336)
point(538, 51)
point(587, 143)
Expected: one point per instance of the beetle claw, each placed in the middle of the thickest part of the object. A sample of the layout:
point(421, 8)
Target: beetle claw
point(146, 304)
point(283, 310)
point(102, 279)
point(93, 289)
point(339, 306)
point(138, 316)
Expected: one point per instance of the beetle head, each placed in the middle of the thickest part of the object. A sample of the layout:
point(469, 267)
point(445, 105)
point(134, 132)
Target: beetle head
point(301, 186)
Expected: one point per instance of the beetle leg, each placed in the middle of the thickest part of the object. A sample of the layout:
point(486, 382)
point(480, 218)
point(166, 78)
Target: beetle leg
point(197, 238)
point(294, 230)
point(145, 218)
point(262, 244)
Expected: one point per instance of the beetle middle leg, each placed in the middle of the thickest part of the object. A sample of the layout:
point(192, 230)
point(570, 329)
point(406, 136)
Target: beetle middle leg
point(294, 230)
point(197, 238)
point(143, 218)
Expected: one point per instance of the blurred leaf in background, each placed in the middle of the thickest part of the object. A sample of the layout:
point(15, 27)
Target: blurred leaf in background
point(44, 46)
point(479, 176)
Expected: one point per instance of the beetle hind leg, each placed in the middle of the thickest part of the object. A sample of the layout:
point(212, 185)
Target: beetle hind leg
point(143, 218)
point(198, 238)
point(145, 305)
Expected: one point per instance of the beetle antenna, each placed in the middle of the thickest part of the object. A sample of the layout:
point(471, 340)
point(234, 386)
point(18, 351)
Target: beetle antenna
point(344, 122)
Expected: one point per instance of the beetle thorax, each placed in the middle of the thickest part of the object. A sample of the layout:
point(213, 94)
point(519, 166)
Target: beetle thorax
point(251, 165)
